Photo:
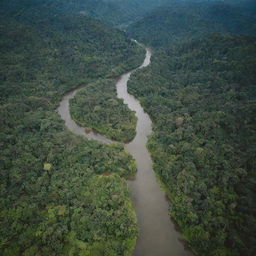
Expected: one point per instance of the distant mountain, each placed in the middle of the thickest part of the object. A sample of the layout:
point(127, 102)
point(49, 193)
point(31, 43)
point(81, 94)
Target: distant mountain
point(247, 7)
point(107, 12)
point(186, 20)
point(133, 10)
point(112, 12)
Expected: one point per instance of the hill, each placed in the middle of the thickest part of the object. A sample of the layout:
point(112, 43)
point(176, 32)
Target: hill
point(201, 97)
point(54, 185)
point(111, 12)
point(187, 20)
point(47, 41)
point(98, 9)
point(247, 7)
point(132, 10)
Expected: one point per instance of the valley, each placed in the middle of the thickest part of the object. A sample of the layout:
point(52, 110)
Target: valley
point(109, 147)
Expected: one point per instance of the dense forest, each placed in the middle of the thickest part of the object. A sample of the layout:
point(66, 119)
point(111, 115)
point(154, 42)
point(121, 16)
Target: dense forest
point(112, 12)
point(60, 194)
point(201, 98)
point(182, 21)
point(96, 106)
point(98, 9)
point(200, 94)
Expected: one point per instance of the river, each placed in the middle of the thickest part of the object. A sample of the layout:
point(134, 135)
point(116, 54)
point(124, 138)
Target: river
point(157, 233)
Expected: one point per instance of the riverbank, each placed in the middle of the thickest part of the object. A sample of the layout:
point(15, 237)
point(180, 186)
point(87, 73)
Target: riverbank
point(157, 234)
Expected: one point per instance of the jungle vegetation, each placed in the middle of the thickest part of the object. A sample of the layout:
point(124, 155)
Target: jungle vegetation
point(200, 93)
point(201, 96)
point(97, 106)
point(111, 12)
point(182, 21)
point(64, 195)
point(60, 194)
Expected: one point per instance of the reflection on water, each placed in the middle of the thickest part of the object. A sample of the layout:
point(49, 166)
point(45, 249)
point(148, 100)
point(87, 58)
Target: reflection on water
point(157, 234)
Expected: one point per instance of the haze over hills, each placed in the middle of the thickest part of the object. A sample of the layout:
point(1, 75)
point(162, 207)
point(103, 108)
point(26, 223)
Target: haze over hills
point(132, 10)
point(94, 8)
point(64, 195)
point(183, 20)
point(248, 7)
point(112, 12)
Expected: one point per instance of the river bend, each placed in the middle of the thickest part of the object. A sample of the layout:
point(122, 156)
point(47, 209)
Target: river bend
point(157, 233)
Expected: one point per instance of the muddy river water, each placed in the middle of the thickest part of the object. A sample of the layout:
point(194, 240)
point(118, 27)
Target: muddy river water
point(157, 233)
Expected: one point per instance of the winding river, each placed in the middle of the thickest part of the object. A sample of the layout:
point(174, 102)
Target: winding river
point(157, 233)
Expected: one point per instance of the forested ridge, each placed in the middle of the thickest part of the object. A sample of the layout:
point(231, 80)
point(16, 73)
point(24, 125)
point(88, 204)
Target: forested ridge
point(97, 9)
point(201, 98)
point(184, 20)
point(112, 12)
point(247, 7)
point(200, 93)
point(60, 194)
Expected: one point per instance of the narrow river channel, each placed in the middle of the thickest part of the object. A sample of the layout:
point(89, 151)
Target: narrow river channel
point(157, 233)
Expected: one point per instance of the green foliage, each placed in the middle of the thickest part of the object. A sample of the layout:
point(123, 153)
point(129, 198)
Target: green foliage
point(201, 97)
point(107, 12)
point(112, 12)
point(39, 209)
point(186, 20)
point(43, 53)
point(60, 194)
point(47, 166)
point(98, 107)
